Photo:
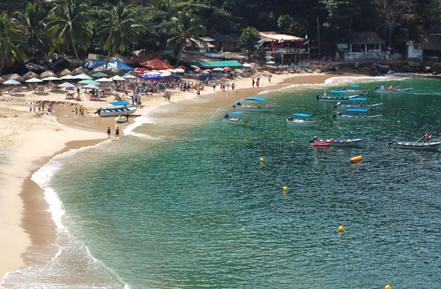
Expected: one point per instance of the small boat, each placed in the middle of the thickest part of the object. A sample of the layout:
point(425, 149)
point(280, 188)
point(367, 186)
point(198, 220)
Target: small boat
point(347, 142)
point(347, 91)
point(254, 104)
point(325, 97)
point(352, 117)
point(121, 119)
point(301, 119)
point(234, 117)
point(116, 111)
point(426, 142)
point(344, 106)
point(339, 142)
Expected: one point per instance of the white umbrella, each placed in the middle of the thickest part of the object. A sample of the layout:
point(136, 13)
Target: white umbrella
point(129, 76)
point(179, 70)
point(104, 79)
point(67, 85)
point(33, 80)
point(165, 73)
point(51, 78)
point(68, 77)
point(11, 82)
point(118, 78)
point(83, 76)
point(246, 65)
point(218, 69)
point(91, 86)
point(270, 62)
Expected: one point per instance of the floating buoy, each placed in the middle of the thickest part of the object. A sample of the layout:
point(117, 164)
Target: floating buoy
point(388, 286)
point(285, 189)
point(261, 162)
point(341, 229)
point(356, 159)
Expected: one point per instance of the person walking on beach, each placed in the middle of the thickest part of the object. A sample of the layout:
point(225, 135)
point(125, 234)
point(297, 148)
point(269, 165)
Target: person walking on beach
point(252, 82)
point(232, 86)
point(269, 77)
point(258, 82)
point(109, 132)
point(117, 132)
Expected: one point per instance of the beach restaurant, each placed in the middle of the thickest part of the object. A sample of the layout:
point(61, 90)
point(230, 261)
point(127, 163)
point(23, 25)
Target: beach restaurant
point(283, 48)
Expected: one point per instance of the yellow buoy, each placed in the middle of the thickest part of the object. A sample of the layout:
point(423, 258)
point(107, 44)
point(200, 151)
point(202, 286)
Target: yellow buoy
point(341, 229)
point(388, 286)
point(285, 189)
point(261, 159)
point(356, 159)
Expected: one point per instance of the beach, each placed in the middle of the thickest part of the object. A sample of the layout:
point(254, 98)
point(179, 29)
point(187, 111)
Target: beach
point(31, 140)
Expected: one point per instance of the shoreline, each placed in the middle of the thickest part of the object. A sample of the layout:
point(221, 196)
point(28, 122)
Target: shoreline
point(37, 226)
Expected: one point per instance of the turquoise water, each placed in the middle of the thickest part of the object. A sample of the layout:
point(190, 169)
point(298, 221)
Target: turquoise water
point(197, 211)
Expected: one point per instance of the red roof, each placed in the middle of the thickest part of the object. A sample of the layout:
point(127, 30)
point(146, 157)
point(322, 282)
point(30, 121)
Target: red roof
point(156, 64)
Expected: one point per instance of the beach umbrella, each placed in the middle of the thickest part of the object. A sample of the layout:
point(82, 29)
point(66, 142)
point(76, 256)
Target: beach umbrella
point(104, 79)
point(11, 82)
point(16, 77)
point(165, 73)
point(195, 67)
point(218, 69)
point(246, 65)
point(91, 86)
point(67, 85)
point(179, 70)
point(99, 75)
point(83, 76)
point(129, 76)
point(89, 82)
point(29, 75)
point(68, 77)
point(118, 78)
point(51, 78)
point(34, 80)
point(47, 74)
point(270, 62)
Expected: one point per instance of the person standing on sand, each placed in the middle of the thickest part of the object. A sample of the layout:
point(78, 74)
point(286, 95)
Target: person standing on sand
point(232, 86)
point(258, 82)
point(117, 132)
point(109, 132)
point(269, 77)
point(252, 82)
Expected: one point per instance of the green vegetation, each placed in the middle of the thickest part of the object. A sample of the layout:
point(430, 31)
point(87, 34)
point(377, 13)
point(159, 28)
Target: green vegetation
point(77, 27)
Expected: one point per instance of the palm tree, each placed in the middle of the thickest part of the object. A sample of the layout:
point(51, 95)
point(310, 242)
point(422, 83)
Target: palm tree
point(33, 22)
point(186, 26)
point(12, 43)
point(120, 28)
point(71, 25)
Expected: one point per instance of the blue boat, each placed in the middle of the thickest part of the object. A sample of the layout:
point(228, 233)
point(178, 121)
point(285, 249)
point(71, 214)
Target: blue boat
point(234, 117)
point(325, 97)
point(254, 104)
point(301, 119)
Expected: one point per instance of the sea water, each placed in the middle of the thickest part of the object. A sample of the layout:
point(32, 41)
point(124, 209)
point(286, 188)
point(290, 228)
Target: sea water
point(198, 211)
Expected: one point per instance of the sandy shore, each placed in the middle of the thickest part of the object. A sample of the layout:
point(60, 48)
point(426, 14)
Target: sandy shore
point(30, 140)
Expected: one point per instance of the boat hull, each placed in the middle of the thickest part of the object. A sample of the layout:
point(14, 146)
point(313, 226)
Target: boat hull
point(302, 123)
point(375, 106)
point(353, 118)
point(416, 145)
point(117, 111)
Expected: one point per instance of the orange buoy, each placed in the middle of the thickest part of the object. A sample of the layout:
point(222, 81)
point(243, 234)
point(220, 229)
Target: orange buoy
point(356, 159)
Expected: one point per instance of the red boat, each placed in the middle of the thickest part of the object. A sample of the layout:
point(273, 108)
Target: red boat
point(320, 143)
point(339, 142)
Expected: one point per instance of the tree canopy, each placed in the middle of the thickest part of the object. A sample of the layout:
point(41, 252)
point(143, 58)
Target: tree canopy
point(78, 27)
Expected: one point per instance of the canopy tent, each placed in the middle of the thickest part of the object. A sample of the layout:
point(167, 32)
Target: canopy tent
point(357, 110)
point(118, 65)
point(16, 77)
point(156, 64)
point(218, 64)
point(91, 64)
point(302, 114)
point(119, 103)
point(65, 72)
point(99, 75)
point(257, 99)
point(48, 73)
point(67, 85)
point(29, 75)
point(89, 82)
point(11, 82)
point(34, 80)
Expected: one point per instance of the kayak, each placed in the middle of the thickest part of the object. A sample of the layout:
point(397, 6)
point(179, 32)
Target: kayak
point(339, 142)
point(350, 117)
